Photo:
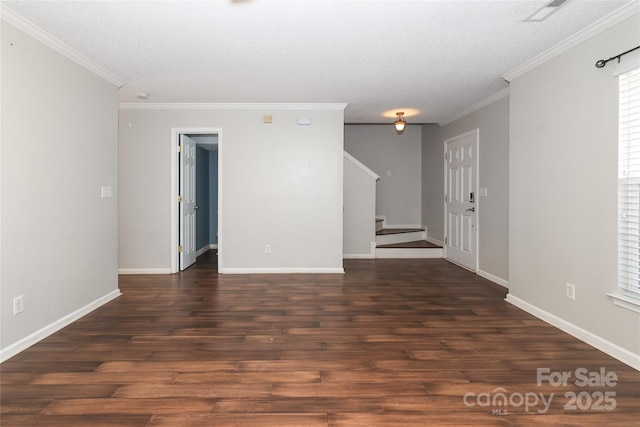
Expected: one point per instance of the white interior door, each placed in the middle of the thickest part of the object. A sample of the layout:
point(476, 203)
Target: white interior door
point(187, 202)
point(461, 169)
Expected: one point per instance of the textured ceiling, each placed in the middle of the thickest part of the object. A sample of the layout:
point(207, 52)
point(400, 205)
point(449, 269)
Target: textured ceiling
point(434, 57)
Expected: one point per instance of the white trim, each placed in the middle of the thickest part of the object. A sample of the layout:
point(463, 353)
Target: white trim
point(47, 39)
point(358, 256)
point(613, 350)
point(230, 106)
point(495, 279)
point(206, 248)
point(401, 253)
point(54, 327)
point(282, 270)
point(478, 105)
point(597, 27)
point(625, 301)
point(370, 255)
point(434, 241)
point(175, 136)
point(144, 271)
point(202, 250)
point(362, 166)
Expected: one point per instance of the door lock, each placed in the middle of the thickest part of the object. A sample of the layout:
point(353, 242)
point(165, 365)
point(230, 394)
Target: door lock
point(473, 209)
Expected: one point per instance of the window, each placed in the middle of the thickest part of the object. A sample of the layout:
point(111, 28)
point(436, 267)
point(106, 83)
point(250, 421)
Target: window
point(629, 185)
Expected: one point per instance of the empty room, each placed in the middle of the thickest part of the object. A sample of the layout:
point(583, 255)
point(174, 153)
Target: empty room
point(319, 213)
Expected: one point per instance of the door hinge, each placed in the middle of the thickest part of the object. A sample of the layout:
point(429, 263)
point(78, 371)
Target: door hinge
point(445, 241)
point(446, 156)
point(180, 249)
point(179, 199)
point(179, 148)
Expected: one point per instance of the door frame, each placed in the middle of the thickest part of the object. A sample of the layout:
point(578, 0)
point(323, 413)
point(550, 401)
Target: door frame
point(175, 142)
point(476, 171)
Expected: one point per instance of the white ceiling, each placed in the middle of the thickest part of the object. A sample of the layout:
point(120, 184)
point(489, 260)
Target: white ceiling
point(434, 57)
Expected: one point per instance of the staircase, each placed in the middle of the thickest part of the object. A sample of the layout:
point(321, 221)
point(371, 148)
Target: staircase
point(404, 243)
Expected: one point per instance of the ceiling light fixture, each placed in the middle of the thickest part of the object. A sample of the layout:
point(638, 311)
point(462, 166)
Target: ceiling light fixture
point(400, 123)
point(142, 95)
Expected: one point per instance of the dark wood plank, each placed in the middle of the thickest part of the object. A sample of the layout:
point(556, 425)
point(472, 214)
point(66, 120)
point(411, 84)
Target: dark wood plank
point(391, 342)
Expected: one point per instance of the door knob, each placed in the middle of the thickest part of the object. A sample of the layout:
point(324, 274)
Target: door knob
point(473, 209)
point(196, 207)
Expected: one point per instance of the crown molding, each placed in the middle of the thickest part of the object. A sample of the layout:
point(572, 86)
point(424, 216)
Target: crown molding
point(10, 17)
point(230, 106)
point(478, 105)
point(599, 26)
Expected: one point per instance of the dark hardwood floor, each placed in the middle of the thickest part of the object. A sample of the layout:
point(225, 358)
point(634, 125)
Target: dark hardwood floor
point(390, 343)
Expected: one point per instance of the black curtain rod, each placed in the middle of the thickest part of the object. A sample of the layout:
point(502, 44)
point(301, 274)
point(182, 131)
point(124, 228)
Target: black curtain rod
point(602, 62)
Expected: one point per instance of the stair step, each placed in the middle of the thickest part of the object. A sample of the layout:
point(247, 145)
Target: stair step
point(416, 249)
point(388, 236)
point(386, 231)
point(414, 244)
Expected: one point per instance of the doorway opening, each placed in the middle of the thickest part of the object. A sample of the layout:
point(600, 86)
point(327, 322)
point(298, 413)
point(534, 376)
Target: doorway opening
point(196, 196)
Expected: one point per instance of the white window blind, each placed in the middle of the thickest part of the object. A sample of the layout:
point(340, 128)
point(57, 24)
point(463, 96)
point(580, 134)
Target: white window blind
point(629, 185)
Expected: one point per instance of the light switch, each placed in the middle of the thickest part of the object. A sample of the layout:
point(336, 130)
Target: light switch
point(106, 192)
point(388, 172)
point(482, 192)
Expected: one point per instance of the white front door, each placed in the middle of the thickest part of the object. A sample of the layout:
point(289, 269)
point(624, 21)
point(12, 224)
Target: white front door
point(461, 168)
point(187, 202)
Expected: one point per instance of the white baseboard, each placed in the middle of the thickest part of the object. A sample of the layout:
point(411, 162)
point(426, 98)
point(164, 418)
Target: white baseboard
point(434, 241)
point(371, 254)
point(43, 333)
point(206, 248)
point(358, 256)
point(400, 253)
point(613, 350)
point(281, 270)
point(144, 271)
point(495, 279)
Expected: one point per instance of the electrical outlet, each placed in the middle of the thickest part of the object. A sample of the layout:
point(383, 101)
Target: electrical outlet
point(571, 291)
point(267, 249)
point(18, 305)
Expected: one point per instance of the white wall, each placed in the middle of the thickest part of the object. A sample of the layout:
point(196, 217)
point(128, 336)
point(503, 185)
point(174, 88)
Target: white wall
point(59, 146)
point(359, 209)
point(281, 184)
point(563, 190)
point(433, 181)
point(381, 149)
point(493, 174)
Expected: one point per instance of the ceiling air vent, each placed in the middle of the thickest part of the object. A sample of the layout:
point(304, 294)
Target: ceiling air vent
point(556, 3)
point(546, 11)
